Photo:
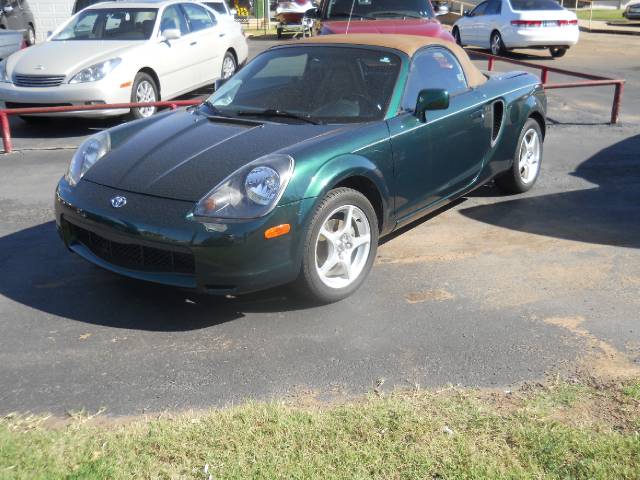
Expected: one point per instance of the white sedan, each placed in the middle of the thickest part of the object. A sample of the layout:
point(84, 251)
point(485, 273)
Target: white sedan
point(121, 52)
point(507, 24)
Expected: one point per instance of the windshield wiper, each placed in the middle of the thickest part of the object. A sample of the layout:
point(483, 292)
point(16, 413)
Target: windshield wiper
point(272, 112)
point(357, 15)
point(398, 14)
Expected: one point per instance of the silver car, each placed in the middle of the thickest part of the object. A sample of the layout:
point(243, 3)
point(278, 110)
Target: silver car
point(10, 41)
point(120, 52)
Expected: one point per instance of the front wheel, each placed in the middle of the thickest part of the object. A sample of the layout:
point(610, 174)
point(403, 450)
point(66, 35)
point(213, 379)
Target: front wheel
point(527, 160)
point(31, 36)
point(339, 247)
point(497, 46)
point(557, 52)
point(144, 91)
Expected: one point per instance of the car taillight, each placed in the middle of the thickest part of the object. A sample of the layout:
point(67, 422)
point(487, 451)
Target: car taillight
point(526, 23)
point(301, 2)
point(562, 23)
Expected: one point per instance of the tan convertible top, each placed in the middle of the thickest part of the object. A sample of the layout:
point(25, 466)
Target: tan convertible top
point(408, 44)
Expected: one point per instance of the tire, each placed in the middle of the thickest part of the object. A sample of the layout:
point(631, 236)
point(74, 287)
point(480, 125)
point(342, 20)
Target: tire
point(31, 36)
point(524, 172)
point(497, 45)
point(279, 34)
point(456, 36)
point(144, 90)
point(319, 250)
point(229, 66)
point(557, 52)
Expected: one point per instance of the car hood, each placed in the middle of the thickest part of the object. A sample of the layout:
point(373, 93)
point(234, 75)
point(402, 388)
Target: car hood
point(184, 155)
point(65, 58)
point(411, 26)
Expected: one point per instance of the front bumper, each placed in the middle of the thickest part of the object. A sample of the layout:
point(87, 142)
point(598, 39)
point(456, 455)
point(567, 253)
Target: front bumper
point(541, 37)
point(80, 94)
point(151, 239)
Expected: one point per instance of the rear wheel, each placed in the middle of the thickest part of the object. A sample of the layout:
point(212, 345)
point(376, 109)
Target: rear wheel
point(144, 90)
point(456, 36)
point(527, 160)
point(31, 36)
point(557, 52)
point(497, 46)
point(340, 246)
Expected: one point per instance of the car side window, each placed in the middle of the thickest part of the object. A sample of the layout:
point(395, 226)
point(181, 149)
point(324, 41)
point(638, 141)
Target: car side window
point(479, 10)
point(493, 7)
point(197, 16)
point(433, 68)
point(172, 17)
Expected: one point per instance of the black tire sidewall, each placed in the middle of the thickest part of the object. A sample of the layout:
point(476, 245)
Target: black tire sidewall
point(141, 76)
point(309, 279)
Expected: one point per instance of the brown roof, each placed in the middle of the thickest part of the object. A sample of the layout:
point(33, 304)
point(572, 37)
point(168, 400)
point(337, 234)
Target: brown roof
point(408, 44)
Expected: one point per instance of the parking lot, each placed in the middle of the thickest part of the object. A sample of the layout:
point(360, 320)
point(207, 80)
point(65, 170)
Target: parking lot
point(494, 292)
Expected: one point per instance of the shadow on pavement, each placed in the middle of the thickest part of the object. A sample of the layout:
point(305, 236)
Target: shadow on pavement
point(608, 214)
point(39, 272)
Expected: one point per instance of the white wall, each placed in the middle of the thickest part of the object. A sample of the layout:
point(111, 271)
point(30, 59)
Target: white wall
point(49, 14)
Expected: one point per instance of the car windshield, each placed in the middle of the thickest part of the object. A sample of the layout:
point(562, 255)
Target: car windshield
point(535, 5)
point(313, 83)
point(110, 24)
point(374, 9)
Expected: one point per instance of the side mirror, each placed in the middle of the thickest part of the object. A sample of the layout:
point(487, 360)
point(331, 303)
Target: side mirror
point(233, 12)
point(431, 99)
point(171, 34)
point(466, 13)
point(312, 13)
point(49, 33)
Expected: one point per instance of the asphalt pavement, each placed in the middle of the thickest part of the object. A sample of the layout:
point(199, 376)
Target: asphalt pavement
point(496, 291)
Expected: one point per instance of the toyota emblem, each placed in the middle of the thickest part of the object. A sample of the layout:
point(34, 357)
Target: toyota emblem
point(119, 201)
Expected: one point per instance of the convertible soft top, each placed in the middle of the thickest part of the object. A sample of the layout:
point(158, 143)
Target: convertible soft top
point(408, 44)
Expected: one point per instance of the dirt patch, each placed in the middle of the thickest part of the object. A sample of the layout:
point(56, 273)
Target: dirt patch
point(603, 360)
point(438, 295)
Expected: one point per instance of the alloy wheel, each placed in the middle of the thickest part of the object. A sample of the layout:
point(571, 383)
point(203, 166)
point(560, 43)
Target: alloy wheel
point(145, 93)
point(529, 156)
point(496, 44)
point(342, 246)
point(228, 67)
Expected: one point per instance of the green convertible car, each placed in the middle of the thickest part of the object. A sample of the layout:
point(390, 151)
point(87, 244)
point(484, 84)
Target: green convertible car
point(296, 166)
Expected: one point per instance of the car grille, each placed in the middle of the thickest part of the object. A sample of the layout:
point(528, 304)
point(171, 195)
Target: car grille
point(133, 256)
point(38, 80)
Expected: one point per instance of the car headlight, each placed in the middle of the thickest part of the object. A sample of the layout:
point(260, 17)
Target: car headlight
point(91, 150)
point(252, 191)
point(4, 77)
point(95, 72)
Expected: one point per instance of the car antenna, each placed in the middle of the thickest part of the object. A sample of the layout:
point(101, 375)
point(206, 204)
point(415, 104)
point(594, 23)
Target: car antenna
point(353, 5)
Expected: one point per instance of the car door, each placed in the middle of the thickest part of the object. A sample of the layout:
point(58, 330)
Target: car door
point(471, 34)
point(488, 22)
point(207, 42)
point(437, 158)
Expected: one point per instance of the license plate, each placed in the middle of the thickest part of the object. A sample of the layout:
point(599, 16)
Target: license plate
point(549, 23)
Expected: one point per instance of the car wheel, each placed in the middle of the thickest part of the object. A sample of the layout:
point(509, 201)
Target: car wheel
point(497, 46)
point(229, 66)
point(456, 36)
point(279, 33)
point(527, 160)
point(557, 52)
point(339, 247)
point(144, 90)
point(31, 36)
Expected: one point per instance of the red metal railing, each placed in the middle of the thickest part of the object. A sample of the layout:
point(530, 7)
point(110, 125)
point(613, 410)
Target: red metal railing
point(4, 114)
point(589, 80)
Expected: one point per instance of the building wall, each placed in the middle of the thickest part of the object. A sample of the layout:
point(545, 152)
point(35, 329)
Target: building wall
point(49, 14)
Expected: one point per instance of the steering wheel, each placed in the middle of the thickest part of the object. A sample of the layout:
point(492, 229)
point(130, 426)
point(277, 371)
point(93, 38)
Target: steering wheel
point(365, 103)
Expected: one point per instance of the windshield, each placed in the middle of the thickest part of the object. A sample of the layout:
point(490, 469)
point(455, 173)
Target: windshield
point(535, 5)
point(110, 24)
point(316, 83)
point(373, 9)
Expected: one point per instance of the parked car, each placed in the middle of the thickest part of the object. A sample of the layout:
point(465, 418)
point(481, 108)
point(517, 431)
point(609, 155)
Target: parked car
point(10, 41)
point(120, 52)
point(291, 17)
point(16, 15)
point(502, 25)
point(632, 12)
point(270, 182)
point(410, 17)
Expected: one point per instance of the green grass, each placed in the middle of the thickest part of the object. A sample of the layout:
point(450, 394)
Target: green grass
point(600, 14)
point(559, 431)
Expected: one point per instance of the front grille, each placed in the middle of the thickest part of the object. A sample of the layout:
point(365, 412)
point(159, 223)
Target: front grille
point(133, 256)
point(38, 80)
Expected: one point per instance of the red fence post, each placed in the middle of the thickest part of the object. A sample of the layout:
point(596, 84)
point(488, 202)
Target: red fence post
point(545, 75)
point(490, 64)
point(6, 132)
point(617, 99)
point(173, 106)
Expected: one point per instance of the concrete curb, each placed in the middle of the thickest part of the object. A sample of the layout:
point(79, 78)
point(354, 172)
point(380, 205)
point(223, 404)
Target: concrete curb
point(609, 31)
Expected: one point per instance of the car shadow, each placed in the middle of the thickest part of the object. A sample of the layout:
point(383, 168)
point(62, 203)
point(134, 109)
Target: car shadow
point(607, 214)
point(37, 271)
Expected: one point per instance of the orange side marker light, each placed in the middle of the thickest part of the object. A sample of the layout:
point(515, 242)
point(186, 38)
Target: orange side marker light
point(277, 231)
point(126, 84)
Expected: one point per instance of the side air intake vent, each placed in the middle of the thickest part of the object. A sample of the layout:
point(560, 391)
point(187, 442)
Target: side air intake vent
point(498, 119)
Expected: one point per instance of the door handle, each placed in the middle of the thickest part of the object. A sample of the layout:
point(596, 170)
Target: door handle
point(193, 43)
point(222, 34)
point(478, 114)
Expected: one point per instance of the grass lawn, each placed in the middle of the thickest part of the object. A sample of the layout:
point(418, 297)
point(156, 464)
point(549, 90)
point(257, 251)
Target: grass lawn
point(557, 431)
point(601, 15)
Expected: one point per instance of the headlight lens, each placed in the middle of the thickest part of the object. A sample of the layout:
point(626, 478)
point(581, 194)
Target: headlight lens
point(252, 191)
point(92, 150)
point(4, 77)
point(95, 72)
